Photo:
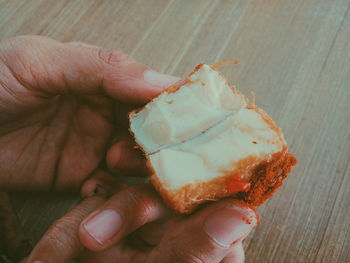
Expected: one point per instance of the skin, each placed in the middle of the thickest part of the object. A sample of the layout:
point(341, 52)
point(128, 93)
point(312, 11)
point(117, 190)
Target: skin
point(63, 122)
point(60, 107)
point(168, 238)
point(13, 241)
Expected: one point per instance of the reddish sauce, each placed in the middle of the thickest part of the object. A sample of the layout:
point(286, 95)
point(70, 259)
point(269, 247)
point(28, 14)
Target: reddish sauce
point(237, 185)
point(268, 177)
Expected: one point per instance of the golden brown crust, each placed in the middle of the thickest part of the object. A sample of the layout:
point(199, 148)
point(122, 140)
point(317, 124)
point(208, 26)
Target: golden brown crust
point(187, 198)
point(171, 89)
point(265, 178)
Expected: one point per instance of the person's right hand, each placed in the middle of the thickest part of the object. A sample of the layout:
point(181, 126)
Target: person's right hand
point(135, 226)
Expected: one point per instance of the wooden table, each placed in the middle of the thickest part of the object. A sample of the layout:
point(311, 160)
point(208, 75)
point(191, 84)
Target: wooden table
point(294, 53)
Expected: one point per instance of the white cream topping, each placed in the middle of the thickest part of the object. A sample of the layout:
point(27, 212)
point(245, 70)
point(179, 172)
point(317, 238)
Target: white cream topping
point(201, 130)
point(177, 168)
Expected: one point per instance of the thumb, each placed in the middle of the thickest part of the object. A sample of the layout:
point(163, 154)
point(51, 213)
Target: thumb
point(209, 235)
point(51, 67)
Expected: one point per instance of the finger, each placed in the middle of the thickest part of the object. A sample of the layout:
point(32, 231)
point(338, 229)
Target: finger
point(51, 67)
point(101, 183)
point(121, 215)
point(208, 235)
point(123, 157)
point(61, 242)
point(236, 254)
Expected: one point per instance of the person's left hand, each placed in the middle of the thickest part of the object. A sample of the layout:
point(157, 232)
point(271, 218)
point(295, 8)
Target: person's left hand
point(135, 226)
point(63, 108)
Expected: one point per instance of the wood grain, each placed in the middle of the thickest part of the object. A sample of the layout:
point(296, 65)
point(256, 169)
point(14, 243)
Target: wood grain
point(295, 54)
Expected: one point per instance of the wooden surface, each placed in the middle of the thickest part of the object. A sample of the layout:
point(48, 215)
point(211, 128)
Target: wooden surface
point(294, 53)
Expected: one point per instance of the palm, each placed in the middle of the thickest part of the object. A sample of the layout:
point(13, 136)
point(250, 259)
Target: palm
point(56, 143)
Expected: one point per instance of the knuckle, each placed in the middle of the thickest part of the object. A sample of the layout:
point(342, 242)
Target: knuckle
point(88, 188)
point(87, 206)
point(60, 235)
point(113, 57)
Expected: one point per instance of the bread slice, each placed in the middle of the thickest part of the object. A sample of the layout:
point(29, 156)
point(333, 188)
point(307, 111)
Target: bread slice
point(204, 142)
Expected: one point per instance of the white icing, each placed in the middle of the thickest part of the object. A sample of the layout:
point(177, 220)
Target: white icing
point(201, 130)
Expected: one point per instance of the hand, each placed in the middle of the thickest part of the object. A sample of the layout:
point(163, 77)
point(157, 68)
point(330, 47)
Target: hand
point(135, 226)
point(61, 107)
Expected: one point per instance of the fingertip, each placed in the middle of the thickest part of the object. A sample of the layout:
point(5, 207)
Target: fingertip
point(101, 184)
point(124, 158)
point(92, 187)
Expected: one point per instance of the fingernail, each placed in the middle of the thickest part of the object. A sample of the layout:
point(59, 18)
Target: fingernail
point(229, 225)
point(104, 225)
point(159, 79)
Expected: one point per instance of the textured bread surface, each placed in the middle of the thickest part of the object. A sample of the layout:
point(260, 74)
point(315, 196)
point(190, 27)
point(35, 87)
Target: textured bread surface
point(203, 142)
